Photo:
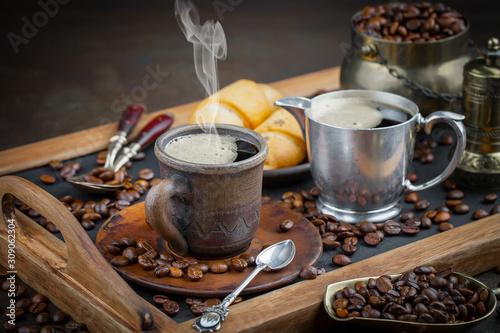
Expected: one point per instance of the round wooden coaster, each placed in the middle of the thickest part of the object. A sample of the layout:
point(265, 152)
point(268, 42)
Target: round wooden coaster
point(131, 221)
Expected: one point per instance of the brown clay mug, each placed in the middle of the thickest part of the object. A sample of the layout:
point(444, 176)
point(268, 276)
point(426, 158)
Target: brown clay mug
point(207, 210)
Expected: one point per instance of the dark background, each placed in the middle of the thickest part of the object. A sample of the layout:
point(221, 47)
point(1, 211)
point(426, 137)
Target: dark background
point(85, 55)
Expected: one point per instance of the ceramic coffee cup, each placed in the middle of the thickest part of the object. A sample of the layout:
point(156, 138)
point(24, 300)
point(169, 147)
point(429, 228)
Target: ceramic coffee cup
point(360, 146)
point(207, 210)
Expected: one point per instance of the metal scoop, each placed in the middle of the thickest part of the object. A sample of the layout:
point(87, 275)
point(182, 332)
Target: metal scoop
point(406, 326)
point(274, 257)
point(146, 136)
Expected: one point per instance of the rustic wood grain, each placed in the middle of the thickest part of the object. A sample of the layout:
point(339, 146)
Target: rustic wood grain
point(96, 139)
point(79, 281)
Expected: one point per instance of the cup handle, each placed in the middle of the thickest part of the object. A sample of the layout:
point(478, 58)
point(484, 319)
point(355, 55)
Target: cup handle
point(159, 216)
point(455, 121)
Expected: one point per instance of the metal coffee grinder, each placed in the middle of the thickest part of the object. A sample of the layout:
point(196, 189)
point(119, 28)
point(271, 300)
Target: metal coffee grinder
point(480, 164)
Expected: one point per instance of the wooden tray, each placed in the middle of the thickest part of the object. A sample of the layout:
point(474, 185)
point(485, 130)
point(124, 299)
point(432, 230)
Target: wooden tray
point(79, 281)
point(132, 222)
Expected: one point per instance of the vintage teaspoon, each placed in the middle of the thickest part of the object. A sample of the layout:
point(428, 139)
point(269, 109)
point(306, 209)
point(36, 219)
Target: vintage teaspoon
point(274, 257)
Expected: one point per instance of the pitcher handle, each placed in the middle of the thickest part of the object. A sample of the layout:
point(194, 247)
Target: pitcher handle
point(159, 216)
point(455, 121)
point(296, 106)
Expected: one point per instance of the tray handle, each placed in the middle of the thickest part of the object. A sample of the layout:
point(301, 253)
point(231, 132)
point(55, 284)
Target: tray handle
point(81, 271)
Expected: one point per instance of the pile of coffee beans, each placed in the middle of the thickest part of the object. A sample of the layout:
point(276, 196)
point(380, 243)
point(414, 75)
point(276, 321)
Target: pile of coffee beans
point(128, 251)
point(422, 295)
point(410, 22)
point(31, 307)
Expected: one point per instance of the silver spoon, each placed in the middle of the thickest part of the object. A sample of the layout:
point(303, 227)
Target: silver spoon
point(274, 257)
point(146, 136)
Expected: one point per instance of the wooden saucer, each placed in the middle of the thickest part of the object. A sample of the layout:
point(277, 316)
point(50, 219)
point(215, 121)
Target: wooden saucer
point(131, 221)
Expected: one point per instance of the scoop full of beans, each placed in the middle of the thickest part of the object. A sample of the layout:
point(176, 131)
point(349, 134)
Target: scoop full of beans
point(410, 22)
point(422, 295)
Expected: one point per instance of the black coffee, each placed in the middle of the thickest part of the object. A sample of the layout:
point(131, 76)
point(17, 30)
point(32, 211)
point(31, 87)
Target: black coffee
point(204, 148)
point(245, 150)
point(392, 116)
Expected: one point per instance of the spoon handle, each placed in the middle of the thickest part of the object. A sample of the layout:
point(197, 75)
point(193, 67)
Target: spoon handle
point(211, 319)
point(128, 120)
point(230, 298)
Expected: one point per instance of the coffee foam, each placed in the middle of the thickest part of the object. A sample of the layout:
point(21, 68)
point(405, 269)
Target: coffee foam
point(347, 113)
point(203, 148)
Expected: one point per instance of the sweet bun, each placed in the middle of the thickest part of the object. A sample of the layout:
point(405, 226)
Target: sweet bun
point(249, 104)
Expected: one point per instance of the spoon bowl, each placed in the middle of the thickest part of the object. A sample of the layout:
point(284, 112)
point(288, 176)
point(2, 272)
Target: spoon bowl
point(277, 255)
point(406, 326)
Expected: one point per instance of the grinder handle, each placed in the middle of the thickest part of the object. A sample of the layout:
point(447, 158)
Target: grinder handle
point(455, 121)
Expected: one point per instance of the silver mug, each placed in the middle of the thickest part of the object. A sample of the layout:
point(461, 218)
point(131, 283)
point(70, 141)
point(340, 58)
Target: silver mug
point(361, 174)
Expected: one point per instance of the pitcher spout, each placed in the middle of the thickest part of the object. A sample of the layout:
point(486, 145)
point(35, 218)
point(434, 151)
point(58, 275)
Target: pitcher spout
point(296, 106)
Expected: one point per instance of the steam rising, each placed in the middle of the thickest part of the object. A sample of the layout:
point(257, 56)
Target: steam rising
point(209, 44)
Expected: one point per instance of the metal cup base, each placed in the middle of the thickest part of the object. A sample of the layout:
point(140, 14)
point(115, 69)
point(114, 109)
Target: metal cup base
point(352, 216)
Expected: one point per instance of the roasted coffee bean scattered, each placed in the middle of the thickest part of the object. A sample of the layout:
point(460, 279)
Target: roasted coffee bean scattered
point(48, 179)
point(479, 214)
point(286, 225)
point(308, 272)
point(421, 295)
point(445, 226)
point(490, 198)
point(341, 260)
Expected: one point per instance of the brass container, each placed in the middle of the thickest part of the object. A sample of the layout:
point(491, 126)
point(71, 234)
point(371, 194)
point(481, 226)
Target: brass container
point(480, 163)
point(433, 68)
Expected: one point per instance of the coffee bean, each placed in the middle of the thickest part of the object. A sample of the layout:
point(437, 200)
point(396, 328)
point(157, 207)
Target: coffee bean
point(412, 177)
point(411, 197)
point(146, 174)
point(56, 164)
point(67, 172)
point(308, 272)
point(161, 271)
point(490, 198)
point(341, 260)
point(392, 228)
point(59, 317)
point(175, 272)
point(146, 262)
point(406, 216)
point(372, 239)
point(286, 225)
point(446, 140)
point(422, 204)
point(442, 217)
point(479, 214)
point(248, 258)
point(455, 194)
point(131, 254)
point(158, 300)
point(23, 303)
point(218, 267)
point(410, 230)
point(445, 226)
point(366, 227)
point(452, 203)
point(120, 261)
point(450, 184)
point(194, 273)
point(48, 179)
point(461, 209)
point(171, 308)
point(425, 222)
point(36, 308)
point(495, 210)
point(348, 249)
point(413, 222)
point(198, 308)
point(238, 264)
point(39, 298)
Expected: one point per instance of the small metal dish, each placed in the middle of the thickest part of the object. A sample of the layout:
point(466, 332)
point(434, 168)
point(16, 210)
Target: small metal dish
point(404, 326)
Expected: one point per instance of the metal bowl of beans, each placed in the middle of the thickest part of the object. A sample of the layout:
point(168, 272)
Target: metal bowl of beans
point(417, 50)
point(416, 301)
